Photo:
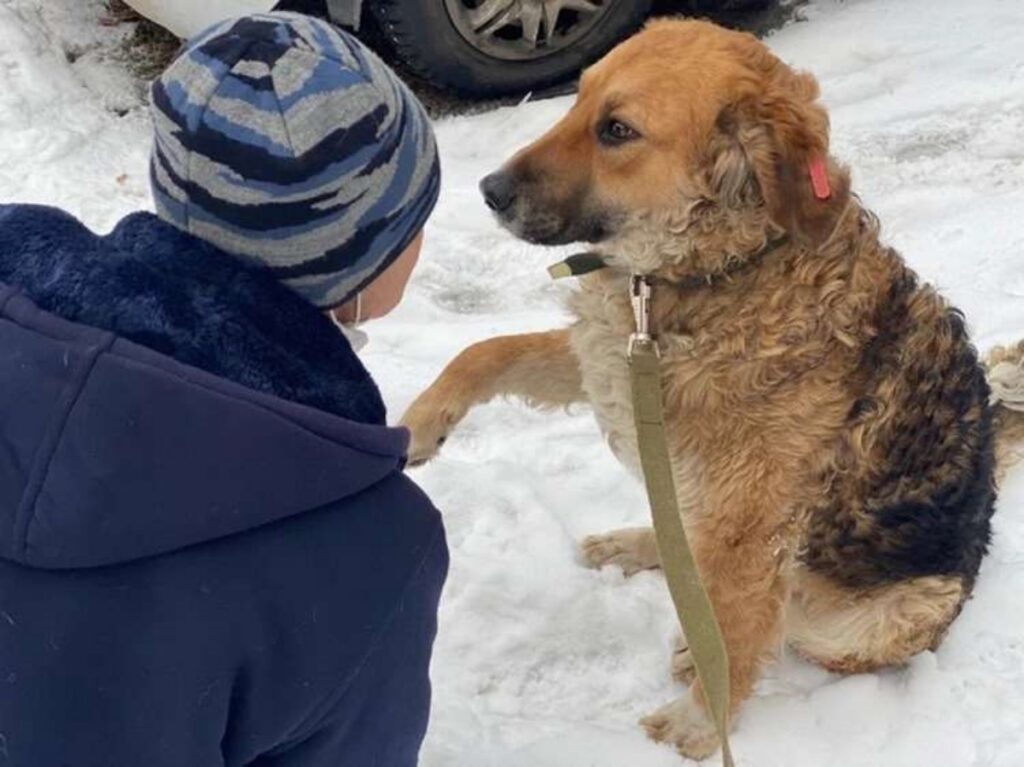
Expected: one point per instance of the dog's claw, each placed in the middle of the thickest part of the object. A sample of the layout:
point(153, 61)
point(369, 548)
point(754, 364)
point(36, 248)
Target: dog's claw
point(683, 668)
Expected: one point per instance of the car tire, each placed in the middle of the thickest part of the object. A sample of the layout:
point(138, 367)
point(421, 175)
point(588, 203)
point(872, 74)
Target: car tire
point(427, 39)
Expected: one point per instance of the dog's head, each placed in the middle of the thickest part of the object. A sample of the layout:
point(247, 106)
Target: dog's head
point(685, 123)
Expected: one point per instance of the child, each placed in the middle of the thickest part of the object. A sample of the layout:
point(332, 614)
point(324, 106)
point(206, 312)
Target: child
point(209, 554)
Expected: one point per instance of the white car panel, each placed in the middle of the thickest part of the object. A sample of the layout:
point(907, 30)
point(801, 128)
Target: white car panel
point(187, 17)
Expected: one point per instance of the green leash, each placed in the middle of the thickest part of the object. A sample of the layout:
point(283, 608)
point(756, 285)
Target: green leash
point(693, 607)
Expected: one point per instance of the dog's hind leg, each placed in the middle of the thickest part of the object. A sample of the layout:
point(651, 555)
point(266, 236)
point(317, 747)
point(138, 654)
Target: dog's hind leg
point(538, 367)
point(853, 631)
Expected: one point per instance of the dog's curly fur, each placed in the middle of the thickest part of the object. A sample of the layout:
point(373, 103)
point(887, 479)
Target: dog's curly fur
point(830, 423)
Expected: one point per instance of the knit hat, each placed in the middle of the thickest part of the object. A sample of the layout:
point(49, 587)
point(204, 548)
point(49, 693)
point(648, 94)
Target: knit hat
point(285, 141)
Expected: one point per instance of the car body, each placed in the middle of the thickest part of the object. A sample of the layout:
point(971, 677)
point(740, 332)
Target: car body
point(473, 47)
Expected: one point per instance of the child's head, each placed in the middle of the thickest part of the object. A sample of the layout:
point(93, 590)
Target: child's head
point(282, 140)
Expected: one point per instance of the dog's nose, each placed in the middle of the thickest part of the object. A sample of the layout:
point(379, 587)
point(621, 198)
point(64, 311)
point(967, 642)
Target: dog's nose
point(499, 191)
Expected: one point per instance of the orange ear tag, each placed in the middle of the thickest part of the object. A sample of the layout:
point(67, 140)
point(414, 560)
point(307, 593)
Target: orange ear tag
point(819, 178)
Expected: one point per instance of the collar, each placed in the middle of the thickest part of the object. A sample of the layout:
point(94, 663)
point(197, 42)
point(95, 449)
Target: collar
point(580, 264)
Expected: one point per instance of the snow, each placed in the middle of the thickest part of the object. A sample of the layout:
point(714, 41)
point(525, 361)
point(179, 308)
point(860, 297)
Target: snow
point(539, 661)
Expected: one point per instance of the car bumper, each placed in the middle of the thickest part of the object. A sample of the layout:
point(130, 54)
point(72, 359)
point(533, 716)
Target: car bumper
point(186, 18)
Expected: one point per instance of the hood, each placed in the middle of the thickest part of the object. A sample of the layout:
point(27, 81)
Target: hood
point(158, 394)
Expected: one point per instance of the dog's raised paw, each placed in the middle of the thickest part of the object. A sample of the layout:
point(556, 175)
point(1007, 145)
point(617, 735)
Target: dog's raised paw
point(684, 725)
point(632, 550)
point(428, 426)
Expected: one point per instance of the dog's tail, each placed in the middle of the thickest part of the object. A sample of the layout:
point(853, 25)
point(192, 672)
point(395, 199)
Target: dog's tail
point(1005, 369)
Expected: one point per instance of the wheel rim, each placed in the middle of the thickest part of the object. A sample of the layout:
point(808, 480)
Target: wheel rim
point(520, 30)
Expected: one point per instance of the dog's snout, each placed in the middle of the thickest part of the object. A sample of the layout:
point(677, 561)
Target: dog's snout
point(499, 191)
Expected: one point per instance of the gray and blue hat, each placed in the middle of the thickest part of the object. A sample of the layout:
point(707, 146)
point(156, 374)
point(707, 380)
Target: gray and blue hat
point(285, 141)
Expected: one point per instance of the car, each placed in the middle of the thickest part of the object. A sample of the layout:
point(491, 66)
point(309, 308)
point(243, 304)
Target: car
point(471, 47)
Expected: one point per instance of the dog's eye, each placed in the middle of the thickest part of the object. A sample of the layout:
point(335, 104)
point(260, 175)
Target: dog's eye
point(615, 132)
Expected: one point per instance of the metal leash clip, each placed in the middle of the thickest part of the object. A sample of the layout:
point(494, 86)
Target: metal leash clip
point(640, 297)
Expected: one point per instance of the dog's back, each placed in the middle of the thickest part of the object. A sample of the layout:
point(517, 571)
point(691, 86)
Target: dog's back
point(912, 490)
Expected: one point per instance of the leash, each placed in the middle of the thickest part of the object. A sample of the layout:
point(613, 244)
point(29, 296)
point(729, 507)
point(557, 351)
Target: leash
point(693, 606)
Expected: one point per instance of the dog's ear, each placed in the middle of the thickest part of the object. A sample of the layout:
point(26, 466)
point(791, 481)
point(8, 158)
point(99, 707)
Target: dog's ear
point(773, 145)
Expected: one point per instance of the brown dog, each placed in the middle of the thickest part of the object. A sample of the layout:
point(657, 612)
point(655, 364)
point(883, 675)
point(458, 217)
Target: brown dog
point(831, 431)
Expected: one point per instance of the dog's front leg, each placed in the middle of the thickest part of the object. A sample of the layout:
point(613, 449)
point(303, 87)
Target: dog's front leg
point(538, 367)
point(740, 568)
point(634, 549)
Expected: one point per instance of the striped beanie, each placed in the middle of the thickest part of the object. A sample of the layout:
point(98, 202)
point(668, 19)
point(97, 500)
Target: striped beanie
point(284, 141)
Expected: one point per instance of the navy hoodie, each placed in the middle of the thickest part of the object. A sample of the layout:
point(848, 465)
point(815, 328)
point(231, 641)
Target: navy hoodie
point(209, 554)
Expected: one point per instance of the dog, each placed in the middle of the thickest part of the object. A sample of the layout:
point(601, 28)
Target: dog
point(833, 437)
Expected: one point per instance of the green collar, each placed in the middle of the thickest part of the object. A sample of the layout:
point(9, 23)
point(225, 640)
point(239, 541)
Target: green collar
point(580, 264)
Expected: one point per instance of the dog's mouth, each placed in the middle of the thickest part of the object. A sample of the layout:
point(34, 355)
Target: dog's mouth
point(524, 208)
point(544, 228)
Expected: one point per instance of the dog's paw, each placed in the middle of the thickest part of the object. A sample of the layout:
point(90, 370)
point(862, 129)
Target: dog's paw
point(633, 550)
point(683, 668)
point(429, 425)
point(684, 725)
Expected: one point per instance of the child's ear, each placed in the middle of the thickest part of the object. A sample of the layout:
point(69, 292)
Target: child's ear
point(775, 144)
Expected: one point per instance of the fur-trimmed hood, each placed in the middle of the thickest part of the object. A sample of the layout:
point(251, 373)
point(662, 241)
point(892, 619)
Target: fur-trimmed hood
point(159, 393)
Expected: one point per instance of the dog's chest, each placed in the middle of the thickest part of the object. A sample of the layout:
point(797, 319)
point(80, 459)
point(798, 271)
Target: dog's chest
point(600, 340)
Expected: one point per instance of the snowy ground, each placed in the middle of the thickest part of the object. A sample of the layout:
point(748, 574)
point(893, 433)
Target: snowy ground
point(540, 662)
